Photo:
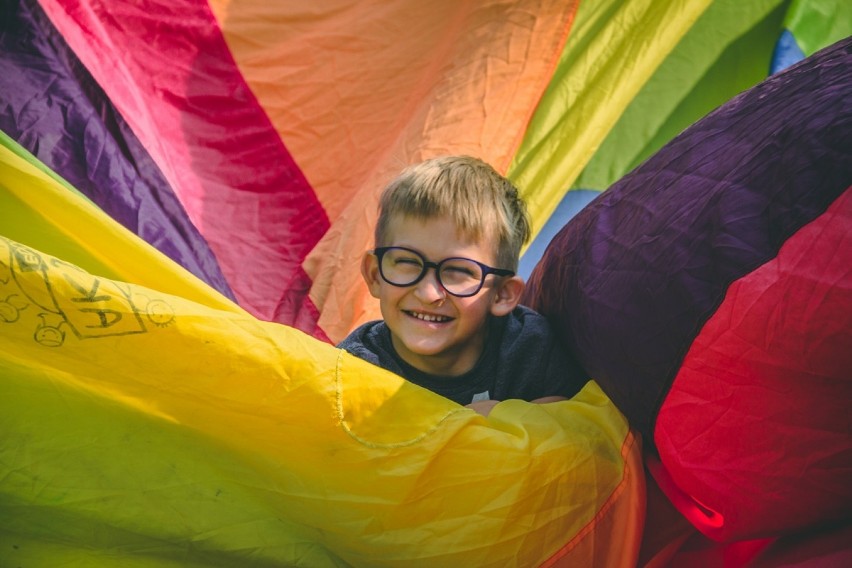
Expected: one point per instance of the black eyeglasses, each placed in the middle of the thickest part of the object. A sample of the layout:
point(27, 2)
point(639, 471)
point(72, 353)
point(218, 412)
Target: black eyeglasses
point(462, 277)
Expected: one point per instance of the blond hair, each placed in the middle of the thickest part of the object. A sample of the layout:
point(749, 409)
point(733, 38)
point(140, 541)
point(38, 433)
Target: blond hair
point(479, 200)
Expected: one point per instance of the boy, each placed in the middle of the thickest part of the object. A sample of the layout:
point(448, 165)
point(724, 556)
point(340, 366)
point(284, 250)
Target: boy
point(448, 239)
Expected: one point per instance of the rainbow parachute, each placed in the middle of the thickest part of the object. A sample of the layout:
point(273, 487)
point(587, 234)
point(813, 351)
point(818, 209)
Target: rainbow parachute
point(179, 178)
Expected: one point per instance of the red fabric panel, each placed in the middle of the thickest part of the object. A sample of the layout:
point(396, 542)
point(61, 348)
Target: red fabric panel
point(700, 552)
point(829, 547)
point(826, 547)
point(755, 431)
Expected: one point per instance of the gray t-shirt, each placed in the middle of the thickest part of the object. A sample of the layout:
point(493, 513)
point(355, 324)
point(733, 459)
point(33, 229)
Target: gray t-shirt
point(521, 360)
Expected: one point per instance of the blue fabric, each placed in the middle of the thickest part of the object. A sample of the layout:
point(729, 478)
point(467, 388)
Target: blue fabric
point(571, 204)
point(786, 53)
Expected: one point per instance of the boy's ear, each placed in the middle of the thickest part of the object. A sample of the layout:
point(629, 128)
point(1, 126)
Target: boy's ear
point(370, 272)
point(508, 295)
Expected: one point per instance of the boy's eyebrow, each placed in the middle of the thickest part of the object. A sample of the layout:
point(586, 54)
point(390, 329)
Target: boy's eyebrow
point(416, 249)
point(431, 259)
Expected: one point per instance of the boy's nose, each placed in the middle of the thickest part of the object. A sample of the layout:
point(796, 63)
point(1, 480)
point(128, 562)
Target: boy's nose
point(429, 290)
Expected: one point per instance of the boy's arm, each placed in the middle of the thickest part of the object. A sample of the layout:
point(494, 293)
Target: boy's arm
point(484, 407)
point(546, 399)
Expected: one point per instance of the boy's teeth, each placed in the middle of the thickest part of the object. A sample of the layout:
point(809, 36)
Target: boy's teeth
point(427, 317)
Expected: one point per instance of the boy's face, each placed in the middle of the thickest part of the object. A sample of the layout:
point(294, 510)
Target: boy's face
point(431, 329)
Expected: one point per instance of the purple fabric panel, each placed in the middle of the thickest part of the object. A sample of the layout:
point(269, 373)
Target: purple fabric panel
point(52, 107)
point(631, 280)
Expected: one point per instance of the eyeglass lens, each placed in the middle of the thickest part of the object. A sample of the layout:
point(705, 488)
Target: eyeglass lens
point(458, 276)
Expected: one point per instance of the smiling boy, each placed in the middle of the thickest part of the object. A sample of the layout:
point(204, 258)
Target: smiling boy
point(448, 239)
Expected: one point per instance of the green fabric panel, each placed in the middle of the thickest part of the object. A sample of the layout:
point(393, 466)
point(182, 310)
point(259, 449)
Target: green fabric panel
point(819, 23)
point(9, 143)
point(613, 49)
point(727, 51)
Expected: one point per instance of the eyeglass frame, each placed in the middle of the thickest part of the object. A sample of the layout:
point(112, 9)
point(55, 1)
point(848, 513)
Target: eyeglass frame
point(379, 252)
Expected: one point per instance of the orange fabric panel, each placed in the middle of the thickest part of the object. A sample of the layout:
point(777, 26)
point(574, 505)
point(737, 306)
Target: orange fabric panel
point(623, 514)
point(398, 83)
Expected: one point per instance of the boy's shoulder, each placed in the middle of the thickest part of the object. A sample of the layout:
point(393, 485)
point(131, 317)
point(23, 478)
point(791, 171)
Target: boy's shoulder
point(523, 338)
point(526, 323)
point(533, 360)
point(371, 342)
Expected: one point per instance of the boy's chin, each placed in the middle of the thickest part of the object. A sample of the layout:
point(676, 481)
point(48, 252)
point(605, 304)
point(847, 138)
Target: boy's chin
point(437, 358)
point(424, 349)
point(415, 348)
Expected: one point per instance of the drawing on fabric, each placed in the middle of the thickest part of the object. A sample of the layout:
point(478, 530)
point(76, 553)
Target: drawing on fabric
point(58, 298)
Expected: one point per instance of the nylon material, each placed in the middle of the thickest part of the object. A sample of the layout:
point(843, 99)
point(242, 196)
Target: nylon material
point(79, 26)
point(742, 165)
point(39, 211)
point(695, 78)
point(355, 305)
point(818, 23)
point(816, 458)
point(368, 64)
point(247, 428)
point(177, 85)
point(408, 132)
point(113, 501)
point(612, 67)
point(366, 418)
point(831, 548)
point(776, 365)
point(623, 515)
point(79, 133)
point(283, 447)
point(338, 289)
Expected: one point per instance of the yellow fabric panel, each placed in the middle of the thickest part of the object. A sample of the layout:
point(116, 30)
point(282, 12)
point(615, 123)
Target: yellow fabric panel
point(39, 210)
point(142, 429)
point(614, 48)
